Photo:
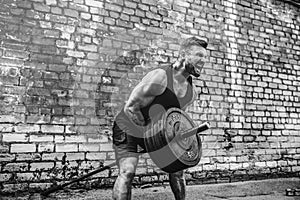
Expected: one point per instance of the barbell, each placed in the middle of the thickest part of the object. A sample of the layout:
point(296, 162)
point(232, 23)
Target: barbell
point(172, 142)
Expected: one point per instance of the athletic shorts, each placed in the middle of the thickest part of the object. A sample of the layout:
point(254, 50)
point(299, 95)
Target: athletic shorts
point(125, 143)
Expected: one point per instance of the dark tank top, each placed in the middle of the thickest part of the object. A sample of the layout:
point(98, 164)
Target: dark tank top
point(167, 99)
point(161, 103)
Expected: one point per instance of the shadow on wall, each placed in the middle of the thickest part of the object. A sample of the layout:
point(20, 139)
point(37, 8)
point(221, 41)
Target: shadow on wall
point(117, 82)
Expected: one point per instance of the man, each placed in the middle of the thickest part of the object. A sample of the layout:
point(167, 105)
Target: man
point(158, 91)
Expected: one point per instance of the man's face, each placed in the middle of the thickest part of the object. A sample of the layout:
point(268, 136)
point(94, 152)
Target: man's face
point(195, 60)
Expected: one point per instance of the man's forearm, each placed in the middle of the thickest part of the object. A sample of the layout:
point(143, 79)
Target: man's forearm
point(135, 115)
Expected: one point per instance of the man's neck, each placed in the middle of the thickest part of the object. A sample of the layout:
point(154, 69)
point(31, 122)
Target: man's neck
point(180, 74)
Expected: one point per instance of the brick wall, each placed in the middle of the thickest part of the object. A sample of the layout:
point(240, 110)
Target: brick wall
point(67, 66)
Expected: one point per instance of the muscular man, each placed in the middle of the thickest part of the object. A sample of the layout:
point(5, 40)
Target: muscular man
point(159, 90)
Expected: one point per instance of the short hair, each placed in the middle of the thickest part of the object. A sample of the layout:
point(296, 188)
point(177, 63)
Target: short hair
point(191, 42)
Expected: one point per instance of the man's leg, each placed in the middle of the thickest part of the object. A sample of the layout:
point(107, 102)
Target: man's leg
point(177, 183)
point(122, 186)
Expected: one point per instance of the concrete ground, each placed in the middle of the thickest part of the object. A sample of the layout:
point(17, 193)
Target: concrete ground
point(272, 189)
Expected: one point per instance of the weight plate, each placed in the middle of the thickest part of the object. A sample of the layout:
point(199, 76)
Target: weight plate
point(167, 153)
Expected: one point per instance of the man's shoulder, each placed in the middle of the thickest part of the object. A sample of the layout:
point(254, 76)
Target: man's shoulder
point(156, 75)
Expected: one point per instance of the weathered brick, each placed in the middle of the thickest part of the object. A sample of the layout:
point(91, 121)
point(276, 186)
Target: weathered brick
point(15, 167)
point(23, 148)
point(71, 13)
point(89, 147)
point(40, 186)
point(94, 3)
point(106, 147)
point(14, 137)
point(5, 177)
point(10, 188)
point(92, 48)
point(75, 156)
point(66, 147)
point(41, 166)
point(41, 138)
point(56, 18)
point(43, 41)
point(77, 54)
point(56, 10)
point(5, 157)
point(52, 156)
point(45, 147)
point(25, 176)
point(41, 7)
point(12, 118)
point(51, 2)
point(52, 129)
point(75, 139)
point(28, 156)
point(78, 7)
point(85, 16)
point(27, 128)
point(96, 156)
point(16, 54)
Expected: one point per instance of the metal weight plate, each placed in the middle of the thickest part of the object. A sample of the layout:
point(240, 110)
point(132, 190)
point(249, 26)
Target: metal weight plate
point(168, 154)
point(188, 150)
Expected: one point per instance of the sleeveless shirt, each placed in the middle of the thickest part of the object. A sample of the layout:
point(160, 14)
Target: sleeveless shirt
point(160, 104)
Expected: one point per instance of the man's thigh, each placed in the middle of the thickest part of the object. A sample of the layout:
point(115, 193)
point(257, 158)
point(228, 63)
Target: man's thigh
point(125, 145)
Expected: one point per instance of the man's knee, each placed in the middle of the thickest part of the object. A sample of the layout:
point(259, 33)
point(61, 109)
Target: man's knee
point(127, 168)
point(127, 173)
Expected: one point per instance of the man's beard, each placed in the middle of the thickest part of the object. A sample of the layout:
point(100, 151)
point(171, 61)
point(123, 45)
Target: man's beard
point(191, 69)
